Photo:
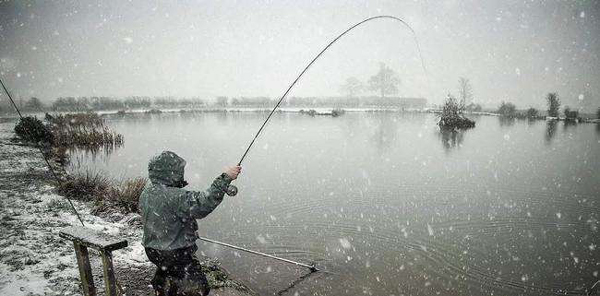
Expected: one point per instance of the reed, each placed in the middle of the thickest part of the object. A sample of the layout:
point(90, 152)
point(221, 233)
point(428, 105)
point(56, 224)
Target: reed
point(83, 130)
point(126, 195)
point(86, 186)
point(108, 195)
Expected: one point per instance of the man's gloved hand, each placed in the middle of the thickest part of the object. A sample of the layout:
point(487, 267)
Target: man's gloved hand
point(233, 172)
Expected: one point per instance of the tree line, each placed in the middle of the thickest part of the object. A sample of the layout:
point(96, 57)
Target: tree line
point(509, 110)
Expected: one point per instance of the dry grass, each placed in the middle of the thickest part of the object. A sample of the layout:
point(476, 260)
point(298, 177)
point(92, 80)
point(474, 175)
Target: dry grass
point(83, 130)
point(126, 195)
point(85, 186)
point(106, 194)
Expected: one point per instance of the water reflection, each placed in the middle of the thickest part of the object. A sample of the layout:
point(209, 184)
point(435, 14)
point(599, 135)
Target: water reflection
point(451, 138)
point(294, 284)
point(550, 130)
point(569, 124)
point(506, 121)
point(78, 155)
point(386, 133)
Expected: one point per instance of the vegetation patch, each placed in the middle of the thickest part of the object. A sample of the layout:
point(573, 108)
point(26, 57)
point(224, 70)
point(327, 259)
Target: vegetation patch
point(85, 186)
point(571, 115)
point(31, 129)
point(153, 111)
point(82, 130)
point(452, 116)
point(337, 112)
point(123, 197)
point(312, 112)
point(106, 194)
point(508, 110)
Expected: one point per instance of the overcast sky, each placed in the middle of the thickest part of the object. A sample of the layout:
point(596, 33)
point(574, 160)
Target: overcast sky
point(510, 50)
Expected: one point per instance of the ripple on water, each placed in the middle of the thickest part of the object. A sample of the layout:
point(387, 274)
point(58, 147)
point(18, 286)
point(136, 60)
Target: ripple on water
point(508, 241)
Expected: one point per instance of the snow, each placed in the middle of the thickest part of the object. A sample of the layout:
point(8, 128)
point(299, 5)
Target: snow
point(34, 260)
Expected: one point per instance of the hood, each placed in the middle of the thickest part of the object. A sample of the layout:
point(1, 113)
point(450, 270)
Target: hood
point(167, 168)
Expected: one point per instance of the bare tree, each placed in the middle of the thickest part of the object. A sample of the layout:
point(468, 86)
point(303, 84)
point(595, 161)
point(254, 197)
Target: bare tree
point(553, 104)
point(385, 82)
point(352, 87)
point(465, 91)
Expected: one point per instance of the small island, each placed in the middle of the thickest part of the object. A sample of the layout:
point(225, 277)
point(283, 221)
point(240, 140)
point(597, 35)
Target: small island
point(452, 116)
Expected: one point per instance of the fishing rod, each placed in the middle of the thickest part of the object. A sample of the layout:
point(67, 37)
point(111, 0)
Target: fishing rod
point(39, 147)
point(232, 190)
point(311, 267)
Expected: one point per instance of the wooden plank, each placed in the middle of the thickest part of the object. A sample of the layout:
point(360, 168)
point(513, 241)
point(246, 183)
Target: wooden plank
point(109, 274)
point(85, 270)
point(92, 239)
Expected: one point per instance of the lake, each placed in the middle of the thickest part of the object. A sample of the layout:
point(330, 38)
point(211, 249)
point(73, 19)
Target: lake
point(385, 202)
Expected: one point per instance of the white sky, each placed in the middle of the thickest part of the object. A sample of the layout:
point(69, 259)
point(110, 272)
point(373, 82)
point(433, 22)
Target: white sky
point(510, 50)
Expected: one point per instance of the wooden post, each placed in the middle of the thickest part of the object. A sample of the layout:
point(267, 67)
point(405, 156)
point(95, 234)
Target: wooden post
point(109, 274)
point(85, 269)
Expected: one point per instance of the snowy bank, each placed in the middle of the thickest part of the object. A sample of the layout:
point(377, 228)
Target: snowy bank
point(34, 260)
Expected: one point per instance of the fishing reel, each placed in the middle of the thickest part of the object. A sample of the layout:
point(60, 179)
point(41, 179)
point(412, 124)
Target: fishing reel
point(231, 190)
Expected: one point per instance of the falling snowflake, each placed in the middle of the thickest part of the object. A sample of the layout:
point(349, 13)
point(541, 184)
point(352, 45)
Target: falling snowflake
point(345, 243)
point(430, 230)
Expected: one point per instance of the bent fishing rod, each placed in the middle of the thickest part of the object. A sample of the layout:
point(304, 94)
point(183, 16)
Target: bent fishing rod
point(232, 190)
point(39, 147)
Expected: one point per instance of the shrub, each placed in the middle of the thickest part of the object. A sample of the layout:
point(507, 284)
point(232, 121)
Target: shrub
point(153, 111)
point(571, 115)
point(598, 113)
point(127, 195)
point(451, 116)
point(532, 113)
point(452, 108)
point(337, 112)
point(93, 186)
point(507, 110)
point(85, 186)
point(310, 112)
point(32, 129)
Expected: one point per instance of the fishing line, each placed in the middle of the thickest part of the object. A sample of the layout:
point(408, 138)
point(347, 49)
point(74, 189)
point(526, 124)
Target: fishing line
point(317, 57)
point(39, 147)
point(232, 190)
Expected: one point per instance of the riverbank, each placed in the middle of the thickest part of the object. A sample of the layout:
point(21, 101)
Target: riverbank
point(35, 261)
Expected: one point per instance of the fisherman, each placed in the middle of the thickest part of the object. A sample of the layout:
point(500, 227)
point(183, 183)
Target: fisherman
point(169, 215)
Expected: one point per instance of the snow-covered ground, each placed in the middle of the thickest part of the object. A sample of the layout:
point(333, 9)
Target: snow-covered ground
point(34, 260)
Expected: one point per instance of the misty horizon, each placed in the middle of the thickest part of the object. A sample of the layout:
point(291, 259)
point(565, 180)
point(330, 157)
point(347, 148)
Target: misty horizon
point(511, 51)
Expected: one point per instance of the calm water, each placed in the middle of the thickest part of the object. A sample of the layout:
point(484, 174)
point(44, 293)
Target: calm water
point(388, 204)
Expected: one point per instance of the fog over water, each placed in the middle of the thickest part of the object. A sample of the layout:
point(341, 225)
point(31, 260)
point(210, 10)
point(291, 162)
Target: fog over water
point(511, 50)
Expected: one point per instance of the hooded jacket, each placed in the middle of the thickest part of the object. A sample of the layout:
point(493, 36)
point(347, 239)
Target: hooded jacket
point(169, 212)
